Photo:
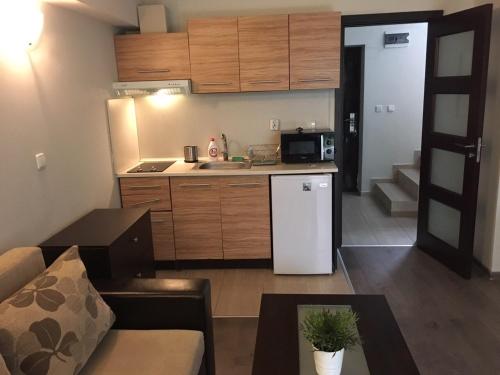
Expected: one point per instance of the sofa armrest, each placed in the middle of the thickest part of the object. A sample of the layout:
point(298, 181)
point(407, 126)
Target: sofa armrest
point(162, 304)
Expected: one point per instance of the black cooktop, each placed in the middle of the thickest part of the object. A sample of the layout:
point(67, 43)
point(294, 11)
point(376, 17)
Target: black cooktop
point(151, 167)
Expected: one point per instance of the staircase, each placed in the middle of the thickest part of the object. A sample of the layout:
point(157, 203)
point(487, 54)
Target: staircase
point(399, 197)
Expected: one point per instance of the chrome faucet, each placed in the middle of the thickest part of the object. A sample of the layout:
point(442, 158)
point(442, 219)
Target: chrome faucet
point(225, 152)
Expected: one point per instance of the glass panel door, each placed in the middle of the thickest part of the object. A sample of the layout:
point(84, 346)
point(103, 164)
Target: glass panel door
point(455, 88)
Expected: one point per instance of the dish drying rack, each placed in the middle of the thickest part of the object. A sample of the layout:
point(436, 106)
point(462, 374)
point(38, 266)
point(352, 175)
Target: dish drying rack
point(264, 154)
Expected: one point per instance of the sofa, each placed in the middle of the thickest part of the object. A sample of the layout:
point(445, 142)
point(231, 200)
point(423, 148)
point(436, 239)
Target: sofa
point(162, 326)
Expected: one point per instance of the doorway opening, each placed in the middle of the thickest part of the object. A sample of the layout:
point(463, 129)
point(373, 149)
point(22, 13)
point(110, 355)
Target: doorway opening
point(383, 102)
point(455, 82)
point(354, 59)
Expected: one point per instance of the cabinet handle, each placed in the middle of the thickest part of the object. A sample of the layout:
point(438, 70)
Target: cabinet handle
point(184, 186)
point(144, 187)
point(135, 240)
point(146, 202)
point(324, 79)
point(245, 184)
point(158, 221)
point(263, 81)
point(216, 84)
point(149, 71)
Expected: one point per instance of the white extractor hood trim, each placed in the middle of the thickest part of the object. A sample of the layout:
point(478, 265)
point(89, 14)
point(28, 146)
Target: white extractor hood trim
point(131, 89)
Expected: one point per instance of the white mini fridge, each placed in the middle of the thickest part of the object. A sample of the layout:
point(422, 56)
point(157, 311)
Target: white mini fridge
point(302, 224)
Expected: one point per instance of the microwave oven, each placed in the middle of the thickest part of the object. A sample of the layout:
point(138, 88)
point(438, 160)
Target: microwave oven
point(307, 145)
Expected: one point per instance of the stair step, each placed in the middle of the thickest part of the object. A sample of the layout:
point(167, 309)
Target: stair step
point(409, 180)
point(395, 200)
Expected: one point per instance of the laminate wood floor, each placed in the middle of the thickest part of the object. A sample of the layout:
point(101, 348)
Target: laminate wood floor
point(451, 325)
point(237, 292)
point(365, 223)
point(234, 340)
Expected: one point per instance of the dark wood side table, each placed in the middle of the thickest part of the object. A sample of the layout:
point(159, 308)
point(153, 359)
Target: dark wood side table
point(277, 346)
point(113, 243)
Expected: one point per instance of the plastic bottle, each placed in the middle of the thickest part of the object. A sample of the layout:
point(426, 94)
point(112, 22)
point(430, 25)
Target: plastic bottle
point(213, 150)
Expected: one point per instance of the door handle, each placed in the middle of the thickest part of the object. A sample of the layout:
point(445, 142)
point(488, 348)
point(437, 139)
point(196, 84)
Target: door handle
point(245, 184)
point(146, 202)
point(152, 71)
point(478, 147)
point(216, 84)
point(319, 79)
point(184, 186)
point(145, 187)
point(263, 81)
point(468, 147)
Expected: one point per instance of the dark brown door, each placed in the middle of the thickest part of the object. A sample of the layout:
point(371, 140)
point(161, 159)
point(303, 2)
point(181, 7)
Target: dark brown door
point(455, 89)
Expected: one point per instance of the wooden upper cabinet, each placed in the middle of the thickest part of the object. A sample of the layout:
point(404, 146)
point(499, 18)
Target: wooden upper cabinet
point(152, 57)
point(213, 48)
point(264, 54)
point(314, 50)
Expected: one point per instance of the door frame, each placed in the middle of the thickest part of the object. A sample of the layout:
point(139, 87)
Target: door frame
point(376, 19)
point(360, 117)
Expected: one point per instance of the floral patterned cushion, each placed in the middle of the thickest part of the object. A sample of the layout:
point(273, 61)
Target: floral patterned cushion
point(54, 323)
point(3, 367)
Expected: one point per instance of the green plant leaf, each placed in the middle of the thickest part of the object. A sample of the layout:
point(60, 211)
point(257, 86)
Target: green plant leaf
point(331, 332)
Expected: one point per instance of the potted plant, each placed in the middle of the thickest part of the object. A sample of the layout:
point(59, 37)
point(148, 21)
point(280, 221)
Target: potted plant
point(330, 335)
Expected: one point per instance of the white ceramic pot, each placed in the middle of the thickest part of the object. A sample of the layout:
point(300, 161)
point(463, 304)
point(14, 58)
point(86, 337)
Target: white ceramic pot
point(328, 363)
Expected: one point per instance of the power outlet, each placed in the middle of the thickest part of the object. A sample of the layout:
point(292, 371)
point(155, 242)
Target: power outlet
point(274, 125)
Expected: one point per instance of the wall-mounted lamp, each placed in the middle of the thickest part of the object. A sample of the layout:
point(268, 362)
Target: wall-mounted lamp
point(21, 24)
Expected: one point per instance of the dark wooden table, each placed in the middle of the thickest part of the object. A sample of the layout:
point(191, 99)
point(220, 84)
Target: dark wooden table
point(112, 242)
point(277, 346)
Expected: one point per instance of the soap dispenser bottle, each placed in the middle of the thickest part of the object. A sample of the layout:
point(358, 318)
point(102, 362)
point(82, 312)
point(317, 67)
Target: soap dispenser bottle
point(213, 150)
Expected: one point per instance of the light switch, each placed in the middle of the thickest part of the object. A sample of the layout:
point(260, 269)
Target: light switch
point(41, 161)
point(391, 108)
point(378, 108)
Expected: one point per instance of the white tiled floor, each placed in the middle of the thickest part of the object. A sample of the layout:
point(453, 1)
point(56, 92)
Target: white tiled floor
point(365, 223)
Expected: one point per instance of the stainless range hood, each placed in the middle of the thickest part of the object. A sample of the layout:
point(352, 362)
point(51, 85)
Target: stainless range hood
point(177, 87)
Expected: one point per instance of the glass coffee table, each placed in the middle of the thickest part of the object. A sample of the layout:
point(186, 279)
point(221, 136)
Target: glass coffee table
point(281, 348)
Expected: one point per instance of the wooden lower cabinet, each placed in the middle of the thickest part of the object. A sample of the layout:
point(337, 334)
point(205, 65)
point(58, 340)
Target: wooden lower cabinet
point(163, 235)
point(245, 210)
point(197, 217)
point(146, 192)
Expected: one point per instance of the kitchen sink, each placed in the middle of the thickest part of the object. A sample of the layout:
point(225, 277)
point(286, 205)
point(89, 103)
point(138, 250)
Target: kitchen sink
point(226, 165)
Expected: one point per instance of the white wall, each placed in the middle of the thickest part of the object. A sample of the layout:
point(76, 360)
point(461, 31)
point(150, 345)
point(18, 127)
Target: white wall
point(115, 12)
point(55, 102)
point(180, 10)
point(164, 128)
point(487, 240)
point(392, 76)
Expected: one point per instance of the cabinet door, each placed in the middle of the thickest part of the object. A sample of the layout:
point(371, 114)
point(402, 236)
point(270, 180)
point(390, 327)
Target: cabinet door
point(163, 235)
point(246, 218)
point(213, 48)
point(152, 192)
point(264, 54)
point(152, 57)
point(197, 219)
point(315, 50)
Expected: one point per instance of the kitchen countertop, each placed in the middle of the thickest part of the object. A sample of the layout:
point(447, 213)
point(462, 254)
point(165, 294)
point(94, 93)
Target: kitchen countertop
point(180, 168)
